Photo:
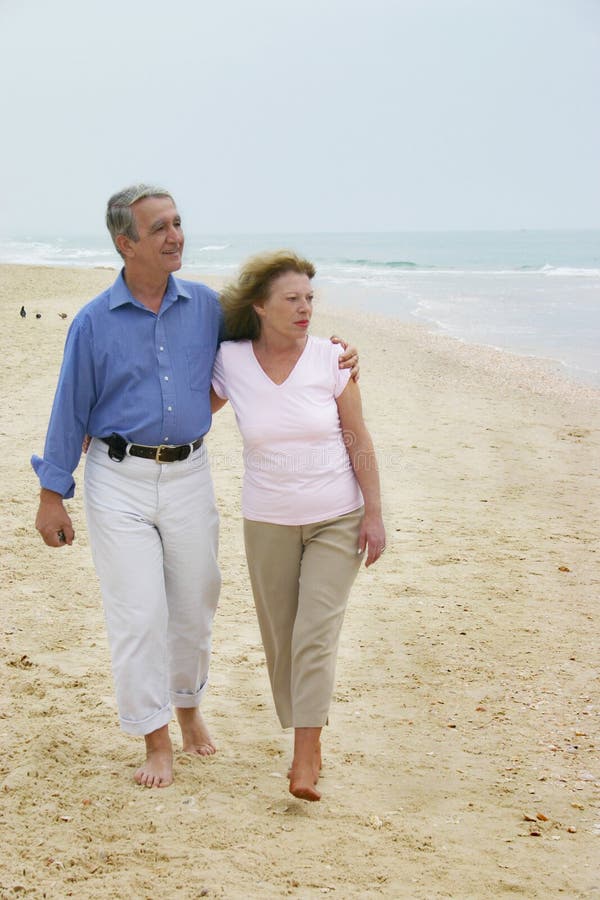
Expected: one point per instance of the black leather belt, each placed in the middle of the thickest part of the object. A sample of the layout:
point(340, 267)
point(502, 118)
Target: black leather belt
point(164, 453)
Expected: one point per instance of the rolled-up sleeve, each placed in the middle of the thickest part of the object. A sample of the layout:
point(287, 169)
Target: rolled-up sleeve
point(74, 398)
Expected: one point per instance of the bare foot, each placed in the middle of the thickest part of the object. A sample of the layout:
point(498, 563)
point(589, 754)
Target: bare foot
point(304, 772)
point(317, 765)
point(157, 771)
point(195, 735)
point(302, 783)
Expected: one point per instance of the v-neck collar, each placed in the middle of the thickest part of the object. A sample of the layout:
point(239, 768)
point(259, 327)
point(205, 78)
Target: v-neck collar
point(290, 373)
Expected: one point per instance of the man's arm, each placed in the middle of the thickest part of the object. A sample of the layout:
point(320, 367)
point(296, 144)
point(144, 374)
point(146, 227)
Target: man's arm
point(68, 423)
point(216, 402)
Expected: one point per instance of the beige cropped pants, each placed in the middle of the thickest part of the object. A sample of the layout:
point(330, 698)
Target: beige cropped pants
point(301, 577)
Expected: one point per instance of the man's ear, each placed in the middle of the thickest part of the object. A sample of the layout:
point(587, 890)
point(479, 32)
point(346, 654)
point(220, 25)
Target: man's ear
point(125, 245)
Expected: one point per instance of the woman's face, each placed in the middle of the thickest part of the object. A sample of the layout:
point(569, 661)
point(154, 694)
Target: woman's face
point(288, 307)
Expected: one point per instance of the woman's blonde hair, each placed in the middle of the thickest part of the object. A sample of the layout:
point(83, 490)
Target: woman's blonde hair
point(252, 286)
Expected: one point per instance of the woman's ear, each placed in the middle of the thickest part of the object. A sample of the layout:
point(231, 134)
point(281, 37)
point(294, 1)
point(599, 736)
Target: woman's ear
point(259, 309)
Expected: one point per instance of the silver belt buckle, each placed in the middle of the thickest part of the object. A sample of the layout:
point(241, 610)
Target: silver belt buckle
point(158, 451)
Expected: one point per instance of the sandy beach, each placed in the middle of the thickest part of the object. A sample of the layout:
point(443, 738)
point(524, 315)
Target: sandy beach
point(462, 758)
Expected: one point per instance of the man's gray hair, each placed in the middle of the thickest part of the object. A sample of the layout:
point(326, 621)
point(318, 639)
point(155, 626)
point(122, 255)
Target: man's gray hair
point(119, 215)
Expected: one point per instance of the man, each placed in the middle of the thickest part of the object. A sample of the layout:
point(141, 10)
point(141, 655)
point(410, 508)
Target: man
point(136, 377)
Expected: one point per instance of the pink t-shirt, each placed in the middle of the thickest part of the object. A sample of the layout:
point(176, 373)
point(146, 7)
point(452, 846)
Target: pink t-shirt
point(296, 466)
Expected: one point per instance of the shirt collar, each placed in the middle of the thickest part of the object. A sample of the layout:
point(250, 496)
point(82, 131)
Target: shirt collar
point(120, 293)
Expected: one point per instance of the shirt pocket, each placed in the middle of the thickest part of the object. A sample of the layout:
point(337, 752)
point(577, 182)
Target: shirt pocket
point(200, 362)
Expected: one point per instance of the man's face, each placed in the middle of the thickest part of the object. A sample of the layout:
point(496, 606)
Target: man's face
point(160, 245)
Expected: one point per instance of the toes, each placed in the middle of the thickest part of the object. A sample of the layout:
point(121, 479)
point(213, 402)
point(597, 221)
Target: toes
point(152, 780)
point(200, 749)
point(206, 750)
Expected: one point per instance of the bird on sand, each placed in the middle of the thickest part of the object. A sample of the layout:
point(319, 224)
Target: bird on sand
point(22, 313)
point(63, 315)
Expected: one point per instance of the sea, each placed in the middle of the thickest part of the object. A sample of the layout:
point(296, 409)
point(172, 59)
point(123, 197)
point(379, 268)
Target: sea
point(533, 293)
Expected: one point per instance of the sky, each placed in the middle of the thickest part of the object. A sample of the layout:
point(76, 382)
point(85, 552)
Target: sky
point(302, 115)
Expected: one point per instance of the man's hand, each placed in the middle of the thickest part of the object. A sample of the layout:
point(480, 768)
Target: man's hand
point(349, 358)
point(52, 520)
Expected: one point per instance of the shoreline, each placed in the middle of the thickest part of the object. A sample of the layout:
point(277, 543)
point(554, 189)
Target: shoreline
point(542, 373)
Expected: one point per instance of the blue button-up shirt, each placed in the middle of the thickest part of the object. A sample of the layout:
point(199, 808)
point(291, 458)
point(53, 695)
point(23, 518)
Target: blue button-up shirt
point(128, 370)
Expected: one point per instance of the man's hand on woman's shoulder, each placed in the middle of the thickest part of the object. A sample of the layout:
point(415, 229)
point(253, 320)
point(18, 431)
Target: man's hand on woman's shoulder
point(349, 358)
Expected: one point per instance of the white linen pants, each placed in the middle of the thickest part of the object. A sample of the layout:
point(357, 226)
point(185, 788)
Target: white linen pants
point(154, 536)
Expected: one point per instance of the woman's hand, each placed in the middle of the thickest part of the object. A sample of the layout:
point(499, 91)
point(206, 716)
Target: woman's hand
point(371, 538)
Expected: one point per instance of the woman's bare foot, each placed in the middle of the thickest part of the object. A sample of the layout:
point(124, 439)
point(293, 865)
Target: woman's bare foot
point(302, 784)
point(157, 770)
point(306, 765)
point(317, 765)
point(194, 733)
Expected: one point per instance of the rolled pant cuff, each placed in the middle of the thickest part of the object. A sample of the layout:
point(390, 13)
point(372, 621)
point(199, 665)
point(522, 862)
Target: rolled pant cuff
point(305, 722)
point(152, 723)
point(188, 701)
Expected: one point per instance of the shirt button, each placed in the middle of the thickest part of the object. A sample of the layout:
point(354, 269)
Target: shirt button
point(161, 348)
point(166, 377)
point(165, 438)
point(170, 408)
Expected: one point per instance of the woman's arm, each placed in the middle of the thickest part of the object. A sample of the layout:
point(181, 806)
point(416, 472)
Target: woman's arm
point(216, 402)
point(362, 456)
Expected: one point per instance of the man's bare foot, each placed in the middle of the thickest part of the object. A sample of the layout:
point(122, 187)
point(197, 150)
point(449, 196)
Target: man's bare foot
point(194, 733)
point(157, 771)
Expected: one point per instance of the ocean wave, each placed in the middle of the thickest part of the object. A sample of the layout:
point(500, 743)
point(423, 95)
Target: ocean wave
point(44, 253)
point(212, 267)
point(370, 280)
point(386, 264)
point(570, 271)
point(74, 253)
point(353, 269)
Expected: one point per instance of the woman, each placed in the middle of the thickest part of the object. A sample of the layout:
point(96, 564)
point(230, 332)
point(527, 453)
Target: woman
point(311, 498)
